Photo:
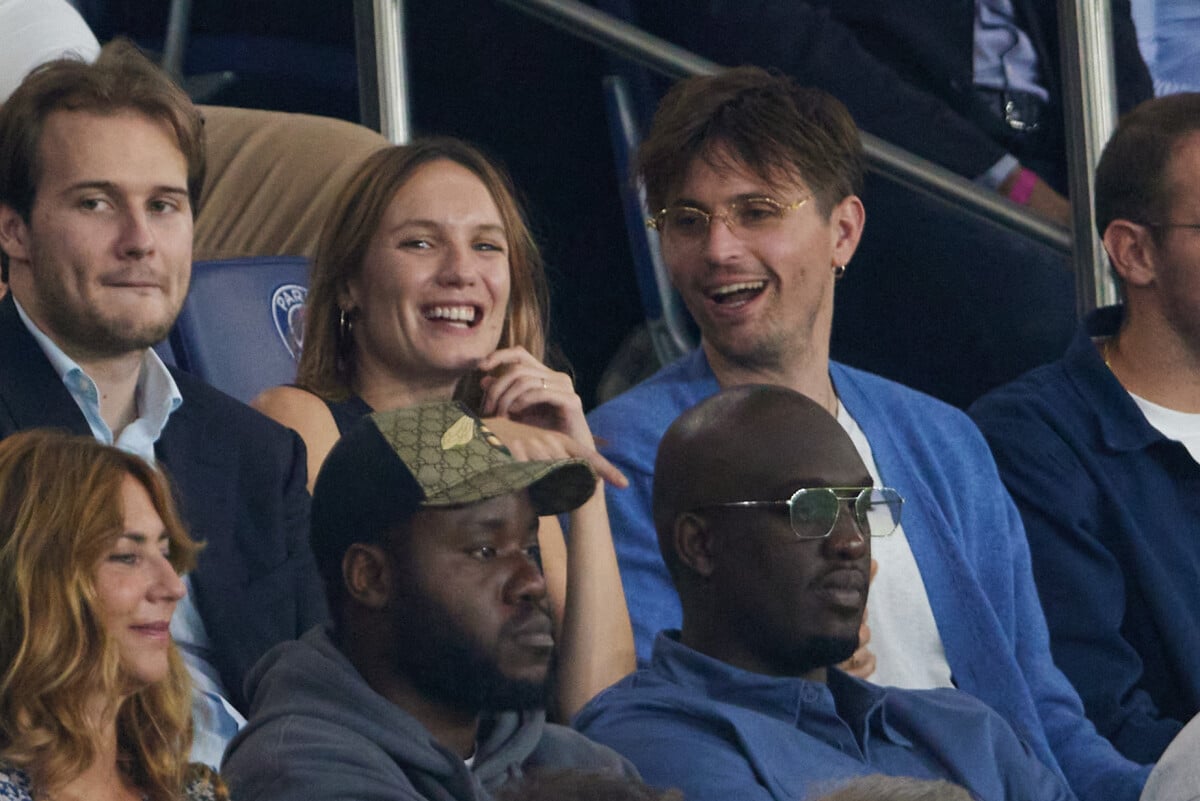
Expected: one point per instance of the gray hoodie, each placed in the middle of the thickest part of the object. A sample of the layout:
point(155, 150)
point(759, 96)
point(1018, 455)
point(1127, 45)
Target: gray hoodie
point(318, 731)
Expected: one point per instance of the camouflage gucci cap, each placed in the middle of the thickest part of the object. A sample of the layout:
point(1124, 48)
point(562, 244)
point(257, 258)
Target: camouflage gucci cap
point(391, 464)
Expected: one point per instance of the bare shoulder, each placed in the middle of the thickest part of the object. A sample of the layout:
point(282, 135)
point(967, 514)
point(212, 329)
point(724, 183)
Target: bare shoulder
point(307, 415)
point(297, 409)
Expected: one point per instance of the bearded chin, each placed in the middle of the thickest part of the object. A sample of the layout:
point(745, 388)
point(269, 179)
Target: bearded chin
point(445, 664)
point(459, 676)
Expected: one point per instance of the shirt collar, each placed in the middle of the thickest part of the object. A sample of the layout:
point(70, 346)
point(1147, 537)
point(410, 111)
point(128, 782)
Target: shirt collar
point(858, 703)
point(1122, 426)
point(63, 364)
point(157, 394)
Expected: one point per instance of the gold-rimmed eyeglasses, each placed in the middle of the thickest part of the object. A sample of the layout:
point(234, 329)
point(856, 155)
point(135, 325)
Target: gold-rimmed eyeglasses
point(745, 217)
point(813, 511)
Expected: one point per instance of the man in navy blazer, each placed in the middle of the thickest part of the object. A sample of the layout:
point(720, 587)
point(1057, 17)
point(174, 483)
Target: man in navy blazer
point(240, 483)
point(100, 166)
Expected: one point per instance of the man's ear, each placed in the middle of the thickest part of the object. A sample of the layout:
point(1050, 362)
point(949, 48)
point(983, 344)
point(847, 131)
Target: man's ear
point(367, 573)
point(846, 222)
point(14, 233)
point(1132, 252)
point(695, 543)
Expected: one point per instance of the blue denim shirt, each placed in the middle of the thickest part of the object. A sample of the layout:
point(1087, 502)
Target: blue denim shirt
point(718, 732)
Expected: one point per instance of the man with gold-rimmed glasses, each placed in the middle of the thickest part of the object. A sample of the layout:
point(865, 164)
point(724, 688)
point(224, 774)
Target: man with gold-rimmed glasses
point(753, 183)
point(766, 517)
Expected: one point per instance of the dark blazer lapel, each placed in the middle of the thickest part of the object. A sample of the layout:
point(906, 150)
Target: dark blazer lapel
point(31, 393)
point(190, 450)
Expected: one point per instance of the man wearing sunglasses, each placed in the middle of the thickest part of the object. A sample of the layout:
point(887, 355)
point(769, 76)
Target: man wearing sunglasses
point(1100, 449)
point(766, 516)
point(754, 184)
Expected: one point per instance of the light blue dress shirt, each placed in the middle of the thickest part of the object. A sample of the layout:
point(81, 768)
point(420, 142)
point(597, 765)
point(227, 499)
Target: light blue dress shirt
point(1004, 58)
point(215, 721)
point(1004, 55)
point(1169, 38)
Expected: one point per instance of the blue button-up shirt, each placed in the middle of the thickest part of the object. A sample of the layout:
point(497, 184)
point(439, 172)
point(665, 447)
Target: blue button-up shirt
point(717, 732)
point(215, 719)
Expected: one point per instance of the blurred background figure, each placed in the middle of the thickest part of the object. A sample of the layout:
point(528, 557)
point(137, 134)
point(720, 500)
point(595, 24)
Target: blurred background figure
point(1168, 33)
point(1176, 777)
point(33, 32)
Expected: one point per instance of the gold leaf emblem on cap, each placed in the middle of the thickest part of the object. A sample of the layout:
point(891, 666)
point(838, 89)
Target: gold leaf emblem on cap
point(459, 434)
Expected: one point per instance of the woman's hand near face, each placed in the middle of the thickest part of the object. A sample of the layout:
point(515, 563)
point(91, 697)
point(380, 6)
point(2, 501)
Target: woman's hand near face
point(536, 412)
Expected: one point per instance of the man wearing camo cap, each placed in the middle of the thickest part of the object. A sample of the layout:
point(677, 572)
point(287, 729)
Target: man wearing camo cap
point(430, 681)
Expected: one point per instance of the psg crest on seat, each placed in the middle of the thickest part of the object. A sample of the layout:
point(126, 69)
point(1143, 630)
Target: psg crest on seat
point(287, 309)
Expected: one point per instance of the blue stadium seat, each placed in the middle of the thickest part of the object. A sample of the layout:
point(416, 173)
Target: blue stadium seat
point(242, 324)
point(672, 332)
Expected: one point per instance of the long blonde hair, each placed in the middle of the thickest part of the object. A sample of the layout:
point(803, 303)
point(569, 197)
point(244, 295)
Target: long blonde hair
point(327, 360)
point(60, 512)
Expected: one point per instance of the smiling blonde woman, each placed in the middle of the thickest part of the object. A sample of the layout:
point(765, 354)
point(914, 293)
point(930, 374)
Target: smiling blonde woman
point(94, 697)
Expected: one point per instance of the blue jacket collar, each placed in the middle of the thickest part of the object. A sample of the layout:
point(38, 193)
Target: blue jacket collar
point(1123, 427)
point(858, 703)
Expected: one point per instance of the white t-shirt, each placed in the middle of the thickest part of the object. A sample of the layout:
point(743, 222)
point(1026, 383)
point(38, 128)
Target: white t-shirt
point(1182, 427)
point(904, 637)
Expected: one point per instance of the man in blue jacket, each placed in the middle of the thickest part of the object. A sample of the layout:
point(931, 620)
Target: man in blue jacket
point(1100, 448)
point(753, 183)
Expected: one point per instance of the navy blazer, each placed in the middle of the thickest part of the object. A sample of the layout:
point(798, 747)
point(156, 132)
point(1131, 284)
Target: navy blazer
point(903, 67)
point(239, 479)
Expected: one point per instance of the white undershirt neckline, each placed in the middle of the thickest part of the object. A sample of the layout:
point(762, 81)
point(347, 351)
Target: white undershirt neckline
point(1182, 427)
point(904, 637)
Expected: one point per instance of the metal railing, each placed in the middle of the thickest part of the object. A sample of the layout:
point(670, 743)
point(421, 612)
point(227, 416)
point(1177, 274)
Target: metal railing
point(1087, 72)
point(1086, 41)
point(382, 68)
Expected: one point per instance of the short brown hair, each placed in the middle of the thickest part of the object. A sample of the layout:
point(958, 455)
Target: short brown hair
point(1131, 179)
point(60, 511)
point(121, 79)
point(764, 121)
point(326, 362)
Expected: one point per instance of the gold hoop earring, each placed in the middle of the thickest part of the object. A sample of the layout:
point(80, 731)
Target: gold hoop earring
point(838, 271)
point(345, 325)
